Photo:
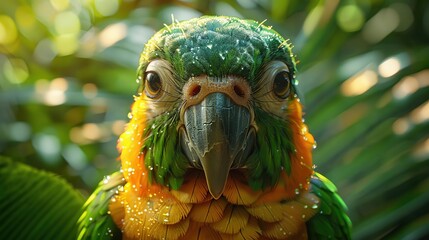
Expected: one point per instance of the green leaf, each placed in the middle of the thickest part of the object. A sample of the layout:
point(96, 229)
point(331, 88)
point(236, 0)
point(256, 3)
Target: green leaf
point(35, 204)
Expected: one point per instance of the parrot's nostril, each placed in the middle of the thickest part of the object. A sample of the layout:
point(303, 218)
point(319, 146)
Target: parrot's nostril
point(198, 88)
point(239, 91)
point(194, 90)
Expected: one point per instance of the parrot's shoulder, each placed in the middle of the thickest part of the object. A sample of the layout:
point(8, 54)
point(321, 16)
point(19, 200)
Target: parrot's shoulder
point(331, 221)
point(96, 221)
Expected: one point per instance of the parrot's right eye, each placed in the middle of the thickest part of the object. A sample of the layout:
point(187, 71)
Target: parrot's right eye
point(153, 84)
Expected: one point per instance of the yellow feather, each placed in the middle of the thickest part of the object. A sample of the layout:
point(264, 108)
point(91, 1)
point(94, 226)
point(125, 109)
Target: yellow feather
point(152, 216)
point(208, 212)
point(149, 228)
point(303, 208)
point(287, 228)
point(169, 211)
point(267, 212)
point(238, 192)
point(198, 231)
point(235, 218)
point(193, 190)
point(250, 232)
point(295, 213)
point(170, 231)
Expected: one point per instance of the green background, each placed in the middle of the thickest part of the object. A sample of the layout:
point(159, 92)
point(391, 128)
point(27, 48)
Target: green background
point(68, 75)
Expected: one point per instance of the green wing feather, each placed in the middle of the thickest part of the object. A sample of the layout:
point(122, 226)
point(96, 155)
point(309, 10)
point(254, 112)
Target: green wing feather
point(332, 221)
point(95, 221)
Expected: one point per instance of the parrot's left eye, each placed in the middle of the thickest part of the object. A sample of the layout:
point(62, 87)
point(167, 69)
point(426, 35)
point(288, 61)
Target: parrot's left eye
point(281, 85)
point(153, 84)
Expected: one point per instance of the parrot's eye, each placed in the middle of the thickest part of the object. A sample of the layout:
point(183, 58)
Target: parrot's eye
point(153, 84)
point(281, 85)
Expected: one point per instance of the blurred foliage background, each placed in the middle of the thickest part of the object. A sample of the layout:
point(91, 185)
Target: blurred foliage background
point(68, 69)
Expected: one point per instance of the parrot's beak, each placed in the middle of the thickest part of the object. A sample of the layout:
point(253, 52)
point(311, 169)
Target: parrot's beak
point(217, 137)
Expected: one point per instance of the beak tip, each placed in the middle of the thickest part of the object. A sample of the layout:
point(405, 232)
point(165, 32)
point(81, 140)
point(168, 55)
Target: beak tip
point(216, 193)
point(216, 181)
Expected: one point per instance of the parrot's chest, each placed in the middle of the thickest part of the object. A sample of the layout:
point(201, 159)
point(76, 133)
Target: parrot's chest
point(180, 215)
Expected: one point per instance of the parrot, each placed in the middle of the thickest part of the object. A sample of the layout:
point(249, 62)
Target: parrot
point(216, 146)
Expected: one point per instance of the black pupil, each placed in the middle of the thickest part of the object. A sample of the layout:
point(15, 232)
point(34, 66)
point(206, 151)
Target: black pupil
point(281, 84)
point(153, 82)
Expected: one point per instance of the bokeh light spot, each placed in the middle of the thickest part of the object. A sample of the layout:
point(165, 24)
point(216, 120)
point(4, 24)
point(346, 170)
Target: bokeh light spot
point(89, 90)
point(118, 127)
point(19, 131)
point(41, 86)
point(405, 87)
point(359, 83)
point(401, 126)
point(59, 84)
point(44, 11)
point(8, 32)
point(16, 70)
point(67, 23)
point(406, 15)
point(55, 94)
point(48, 146)
point(75, 157)
point(410, 84)
point(75, 136)
point(91, 131)
point(112, 34)
point(350, 18)
point(25, 17)
point(44, 51)
point(420, 114)
point(312, 20)
point(106, 7)
point(60, 5)
point(380, 25)
point(389, 67)
point(54, 97)
point(65, 44)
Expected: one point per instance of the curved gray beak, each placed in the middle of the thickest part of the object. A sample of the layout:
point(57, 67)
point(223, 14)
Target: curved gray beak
point(216, 138)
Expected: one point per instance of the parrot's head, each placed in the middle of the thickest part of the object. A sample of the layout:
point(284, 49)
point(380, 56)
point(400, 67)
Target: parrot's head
point(218, 95)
